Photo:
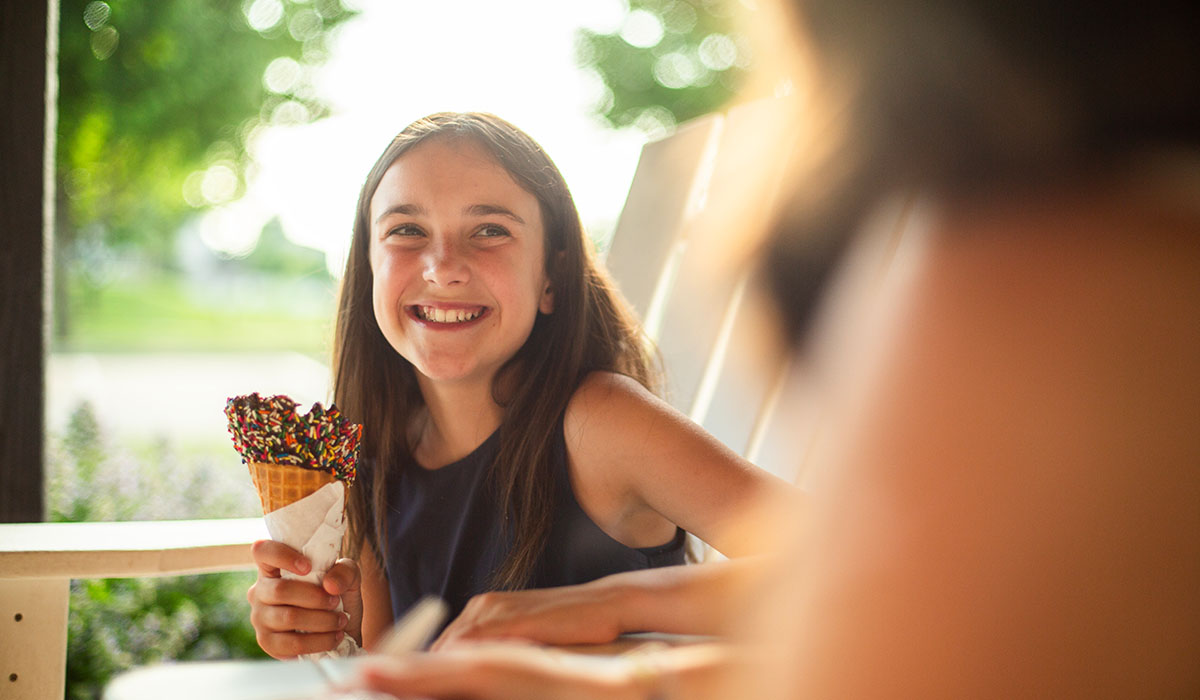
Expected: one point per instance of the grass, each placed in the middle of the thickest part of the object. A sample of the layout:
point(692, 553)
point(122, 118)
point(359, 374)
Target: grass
point(160, 313)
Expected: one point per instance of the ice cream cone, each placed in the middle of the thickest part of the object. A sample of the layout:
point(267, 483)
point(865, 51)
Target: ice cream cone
point(281, 484)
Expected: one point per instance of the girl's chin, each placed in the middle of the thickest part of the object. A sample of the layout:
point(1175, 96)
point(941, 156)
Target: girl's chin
point(440, 373)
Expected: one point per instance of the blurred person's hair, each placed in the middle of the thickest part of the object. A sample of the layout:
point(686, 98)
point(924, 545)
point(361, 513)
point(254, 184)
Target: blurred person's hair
point(961, 97)
point(591, 328)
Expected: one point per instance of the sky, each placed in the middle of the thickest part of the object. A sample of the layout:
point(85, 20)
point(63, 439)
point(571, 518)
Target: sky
point(400, 60)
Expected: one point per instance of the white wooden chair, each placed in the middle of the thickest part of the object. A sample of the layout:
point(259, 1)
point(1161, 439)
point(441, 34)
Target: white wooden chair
point(671, 255)
point(662, 256)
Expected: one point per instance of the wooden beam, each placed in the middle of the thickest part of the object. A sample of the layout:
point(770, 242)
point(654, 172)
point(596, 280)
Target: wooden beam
point(28, 52)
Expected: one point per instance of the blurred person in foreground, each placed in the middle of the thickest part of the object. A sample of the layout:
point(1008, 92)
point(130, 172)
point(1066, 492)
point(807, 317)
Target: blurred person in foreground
point(1006, 500)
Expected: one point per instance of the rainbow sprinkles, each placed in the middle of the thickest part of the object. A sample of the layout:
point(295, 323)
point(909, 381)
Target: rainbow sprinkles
point(270, 430)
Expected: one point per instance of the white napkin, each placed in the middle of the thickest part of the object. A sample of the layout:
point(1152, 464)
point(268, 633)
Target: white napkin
point(314, 526)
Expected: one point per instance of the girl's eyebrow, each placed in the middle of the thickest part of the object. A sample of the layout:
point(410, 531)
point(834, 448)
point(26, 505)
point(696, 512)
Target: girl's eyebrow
point(492, 210)
point(406, 209)
point(472, 210)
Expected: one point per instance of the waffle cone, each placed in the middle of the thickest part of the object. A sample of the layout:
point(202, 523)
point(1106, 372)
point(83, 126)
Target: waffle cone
point(281, 484)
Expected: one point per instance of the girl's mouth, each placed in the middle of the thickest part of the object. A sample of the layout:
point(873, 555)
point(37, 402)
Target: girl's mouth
point(433, 314)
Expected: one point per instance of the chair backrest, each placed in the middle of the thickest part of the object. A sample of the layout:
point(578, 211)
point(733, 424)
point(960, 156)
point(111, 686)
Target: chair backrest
point(668, 262)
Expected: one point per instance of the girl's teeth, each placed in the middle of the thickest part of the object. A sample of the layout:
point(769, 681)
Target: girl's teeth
point(430, 313)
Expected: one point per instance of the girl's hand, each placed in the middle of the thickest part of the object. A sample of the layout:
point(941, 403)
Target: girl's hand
point(294, 617)
point(582, 614)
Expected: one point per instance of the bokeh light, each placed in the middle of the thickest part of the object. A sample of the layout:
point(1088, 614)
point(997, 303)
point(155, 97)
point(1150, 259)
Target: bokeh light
point(282, 75)
point(718, 52)
point(678, 70)
point(96, 14)
point(263, 15)
point(642, 29)
point(305, 25)
point(104, 42)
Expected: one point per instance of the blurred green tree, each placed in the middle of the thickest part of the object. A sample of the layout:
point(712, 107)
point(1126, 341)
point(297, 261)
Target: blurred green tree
point(670, 61)
point(157, 104)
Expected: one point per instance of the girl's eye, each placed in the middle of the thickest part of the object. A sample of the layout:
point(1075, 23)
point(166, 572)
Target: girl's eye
point(405, 231)
point(492, 231)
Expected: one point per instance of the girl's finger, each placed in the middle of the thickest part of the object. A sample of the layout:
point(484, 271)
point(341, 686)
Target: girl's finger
point(286, 618)
point(342, 577)
point(288, 645)
point(271, 557)
point(300, 594)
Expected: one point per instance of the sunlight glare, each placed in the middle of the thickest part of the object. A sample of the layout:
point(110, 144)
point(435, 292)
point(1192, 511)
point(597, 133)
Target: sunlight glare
point(516, 60)
point(233, 230)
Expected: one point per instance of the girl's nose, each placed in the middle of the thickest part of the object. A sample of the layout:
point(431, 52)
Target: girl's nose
point(445, 264)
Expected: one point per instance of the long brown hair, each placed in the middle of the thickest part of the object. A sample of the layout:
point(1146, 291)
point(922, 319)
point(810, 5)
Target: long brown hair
point(591, 328)
point(958, 97)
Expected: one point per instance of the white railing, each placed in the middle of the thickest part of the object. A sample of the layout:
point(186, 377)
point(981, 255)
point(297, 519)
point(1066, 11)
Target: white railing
point(38, 561)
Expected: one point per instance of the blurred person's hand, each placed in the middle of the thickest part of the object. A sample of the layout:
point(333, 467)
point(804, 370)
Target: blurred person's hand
point(499, 671)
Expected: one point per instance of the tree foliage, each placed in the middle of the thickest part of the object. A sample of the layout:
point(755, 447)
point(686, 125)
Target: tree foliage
point(670, 61)
point(154, 93)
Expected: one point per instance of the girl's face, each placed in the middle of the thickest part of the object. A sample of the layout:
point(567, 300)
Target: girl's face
point(458, 256)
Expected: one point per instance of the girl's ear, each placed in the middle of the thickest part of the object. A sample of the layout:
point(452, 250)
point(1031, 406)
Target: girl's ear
point(546, 302)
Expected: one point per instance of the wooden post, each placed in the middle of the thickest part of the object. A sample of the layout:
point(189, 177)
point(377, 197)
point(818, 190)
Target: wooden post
point(33, 638)
point(28, 54)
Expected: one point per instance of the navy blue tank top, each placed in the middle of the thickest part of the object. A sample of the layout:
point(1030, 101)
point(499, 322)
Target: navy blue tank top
point(444, 536)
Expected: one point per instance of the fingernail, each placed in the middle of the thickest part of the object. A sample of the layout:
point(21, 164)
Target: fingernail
point(343, 620)
point(339, 636)
point(332, 602)
point(302, 566)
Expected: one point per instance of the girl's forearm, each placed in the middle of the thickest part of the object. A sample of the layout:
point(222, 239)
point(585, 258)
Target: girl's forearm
point(702, 599)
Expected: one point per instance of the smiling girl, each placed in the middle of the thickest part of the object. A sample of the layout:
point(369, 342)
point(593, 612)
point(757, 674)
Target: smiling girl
point(511, 434)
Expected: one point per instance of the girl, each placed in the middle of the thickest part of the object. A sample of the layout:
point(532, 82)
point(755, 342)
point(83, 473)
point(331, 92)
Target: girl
point(511, 436)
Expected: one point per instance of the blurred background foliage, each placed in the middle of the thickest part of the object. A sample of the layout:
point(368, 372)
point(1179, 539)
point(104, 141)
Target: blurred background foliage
point(157, 104)
point(116, 624)
point(670, 61)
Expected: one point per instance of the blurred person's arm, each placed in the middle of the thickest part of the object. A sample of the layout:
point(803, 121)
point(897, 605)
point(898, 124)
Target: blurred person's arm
point(1014, 508)
point(498, 671)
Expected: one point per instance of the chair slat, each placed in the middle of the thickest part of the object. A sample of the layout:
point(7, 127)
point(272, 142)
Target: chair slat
point(702, 306)
point(653, 216)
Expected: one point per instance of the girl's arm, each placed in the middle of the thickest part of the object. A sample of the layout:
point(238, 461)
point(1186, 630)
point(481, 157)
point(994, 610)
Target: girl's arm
point(709, 599)
point(639, 469)
point(638, 466)
point(376, 598)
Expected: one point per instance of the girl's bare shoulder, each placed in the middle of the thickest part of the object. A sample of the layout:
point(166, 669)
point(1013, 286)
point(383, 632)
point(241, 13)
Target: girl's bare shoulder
point(608, 406)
